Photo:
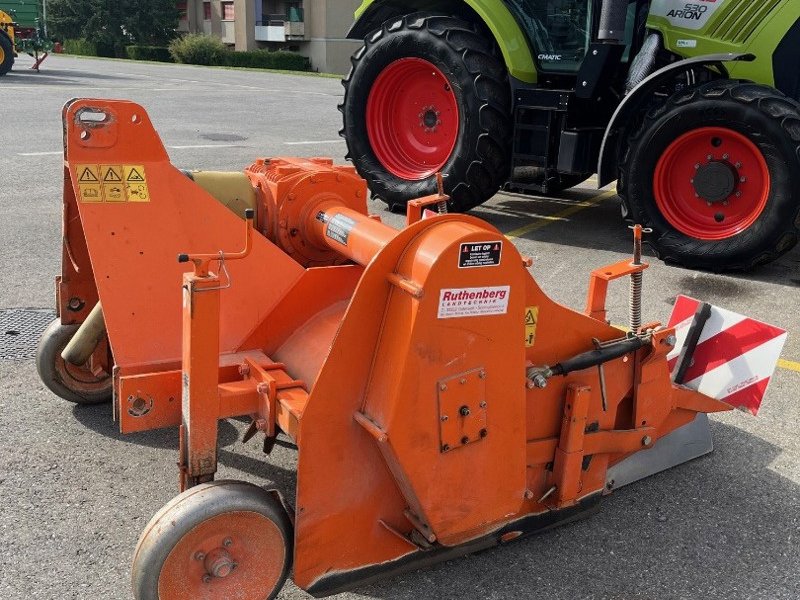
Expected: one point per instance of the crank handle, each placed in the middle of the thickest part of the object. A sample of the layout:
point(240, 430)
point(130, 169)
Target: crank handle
point(202, 261)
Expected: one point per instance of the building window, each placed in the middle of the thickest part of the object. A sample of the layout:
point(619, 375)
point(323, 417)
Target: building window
point(207, 11)
point(227, 11)
point(181, 10)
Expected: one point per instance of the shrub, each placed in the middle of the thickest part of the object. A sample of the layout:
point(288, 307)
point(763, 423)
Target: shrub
point(198, 49)
point(157, 53)
point(264, 59)
point(81, 47)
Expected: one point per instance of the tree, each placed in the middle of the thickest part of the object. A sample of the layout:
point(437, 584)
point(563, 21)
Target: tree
point(114, 24)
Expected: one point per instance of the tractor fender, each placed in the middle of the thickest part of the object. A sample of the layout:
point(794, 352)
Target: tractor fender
point(497, 17)
point(638, 97)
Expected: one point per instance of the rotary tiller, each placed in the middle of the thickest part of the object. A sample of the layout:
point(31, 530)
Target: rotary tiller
point(440, 402)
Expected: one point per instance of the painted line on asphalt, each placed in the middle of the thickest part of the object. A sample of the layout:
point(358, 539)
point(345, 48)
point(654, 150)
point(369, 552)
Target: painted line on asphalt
point(192, 146)
point(560, 216)
point(312, 142)
point(39, 153)
point(789, 365)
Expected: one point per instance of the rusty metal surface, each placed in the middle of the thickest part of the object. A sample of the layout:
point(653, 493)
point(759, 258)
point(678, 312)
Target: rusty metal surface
point(20, 330)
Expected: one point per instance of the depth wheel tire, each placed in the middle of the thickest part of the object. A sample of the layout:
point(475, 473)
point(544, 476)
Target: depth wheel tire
point(6, 54)
point(70, 382)
point(225, 539)
point(715, 172)
point(428, 93)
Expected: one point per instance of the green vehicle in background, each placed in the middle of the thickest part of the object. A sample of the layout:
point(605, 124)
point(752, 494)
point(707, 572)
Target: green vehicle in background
point(691, 106)
point(21, 30)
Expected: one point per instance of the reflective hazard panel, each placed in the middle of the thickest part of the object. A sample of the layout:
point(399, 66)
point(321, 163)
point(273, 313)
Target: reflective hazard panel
point(735, 356)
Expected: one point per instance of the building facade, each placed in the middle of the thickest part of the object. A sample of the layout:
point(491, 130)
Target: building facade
point(314, 28)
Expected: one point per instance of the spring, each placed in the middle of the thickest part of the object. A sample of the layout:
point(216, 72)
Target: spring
point(441, 206)
point(635, 302)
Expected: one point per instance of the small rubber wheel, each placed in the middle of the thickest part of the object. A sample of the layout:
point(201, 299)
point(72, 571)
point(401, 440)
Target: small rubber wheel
point(70, 382)
point(715, 173)
point(6, 54)
point(429, 93)
point(222, 540)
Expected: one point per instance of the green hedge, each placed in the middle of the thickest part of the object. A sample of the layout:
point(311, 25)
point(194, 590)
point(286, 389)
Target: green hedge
point(81, 47)
point(156, 53)
point(264, 59)
point(198, 49)
point(84, 47)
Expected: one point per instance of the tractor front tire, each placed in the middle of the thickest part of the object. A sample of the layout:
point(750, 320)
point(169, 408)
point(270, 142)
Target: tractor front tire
point(426, 94)
point(6, 53)
point(715, 172)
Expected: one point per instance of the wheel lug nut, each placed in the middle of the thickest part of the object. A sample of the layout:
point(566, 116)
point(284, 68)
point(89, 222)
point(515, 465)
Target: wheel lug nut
point(725, 157)
point(743, 179)
point(738, 194)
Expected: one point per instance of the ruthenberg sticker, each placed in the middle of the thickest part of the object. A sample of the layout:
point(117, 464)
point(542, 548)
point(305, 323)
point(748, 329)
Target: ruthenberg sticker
point(473, 302)
point(112, 183)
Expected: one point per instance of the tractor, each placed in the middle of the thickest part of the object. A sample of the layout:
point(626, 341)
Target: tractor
point(692, 107)
point(21, 30)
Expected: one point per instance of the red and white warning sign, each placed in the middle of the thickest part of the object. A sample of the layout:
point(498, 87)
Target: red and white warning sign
point(735, 356)
point(473, 302)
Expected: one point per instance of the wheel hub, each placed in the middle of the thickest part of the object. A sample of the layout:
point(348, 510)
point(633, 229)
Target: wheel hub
point(219, 563)
point(715, 181)
point(412, 118)
point(711, 183)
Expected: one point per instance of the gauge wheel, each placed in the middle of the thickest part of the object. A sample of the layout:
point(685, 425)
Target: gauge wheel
point(225, 539)
point(715, 173)
point(427, 94)
point(71, 382)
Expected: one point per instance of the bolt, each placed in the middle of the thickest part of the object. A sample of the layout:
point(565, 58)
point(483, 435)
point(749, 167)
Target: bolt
point(244, 370)
point(540, 381)
point(528, 495)
point(445, 447)
point(529, 384)
point(691, 181)
point(227, 542)
point(725, 157)
point(738, 194)
point(464, 411)
point(464, 440)
point(710, 157)
point(697, 166)
point(738, 165)
point(443, 386)
point(199, 556)
point(483, 404)
point(743, 179)
point(670, 340)
point(594, 52)
point(585, 83)
point(482, 374)
point(463, 381)
point(647, 440)
point(444, 418)
point(483, 433)
point(206, 578)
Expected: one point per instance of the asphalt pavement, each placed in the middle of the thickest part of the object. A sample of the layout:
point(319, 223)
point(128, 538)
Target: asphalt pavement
point(75, 494)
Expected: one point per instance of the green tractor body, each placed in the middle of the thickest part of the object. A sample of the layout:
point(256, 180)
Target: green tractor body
point(691, 106)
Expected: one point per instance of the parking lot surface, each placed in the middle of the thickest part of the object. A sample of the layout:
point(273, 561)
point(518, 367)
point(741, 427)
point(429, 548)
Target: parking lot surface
point(75, 494)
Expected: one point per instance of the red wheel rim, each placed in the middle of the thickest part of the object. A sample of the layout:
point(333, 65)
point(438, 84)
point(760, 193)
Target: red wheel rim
point(412, 118)
point(685, 203)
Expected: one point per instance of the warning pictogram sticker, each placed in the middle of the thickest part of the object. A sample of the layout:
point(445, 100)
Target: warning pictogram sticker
point(89, 188)
point(735, 356)
point(136, 183)
point(112, 183)
point(531, 318)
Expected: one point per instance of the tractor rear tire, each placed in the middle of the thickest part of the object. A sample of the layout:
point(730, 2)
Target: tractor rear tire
point(715, 172)
point(428, 93)
point(6, 53)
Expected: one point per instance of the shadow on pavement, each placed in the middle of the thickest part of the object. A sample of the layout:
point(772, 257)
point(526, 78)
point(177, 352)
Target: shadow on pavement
point(723, 526)
point(601, 227)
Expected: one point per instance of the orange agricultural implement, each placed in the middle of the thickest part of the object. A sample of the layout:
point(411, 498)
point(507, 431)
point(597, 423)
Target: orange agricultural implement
point(440, 402)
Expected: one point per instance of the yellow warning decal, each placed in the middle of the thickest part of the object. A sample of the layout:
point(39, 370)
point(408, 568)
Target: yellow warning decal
point(136, 183)
point(531, 317)
point(112, 183)
point(89, 187)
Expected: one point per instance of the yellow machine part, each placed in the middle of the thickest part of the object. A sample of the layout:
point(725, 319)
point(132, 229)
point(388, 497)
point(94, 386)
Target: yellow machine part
point(232, 189)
